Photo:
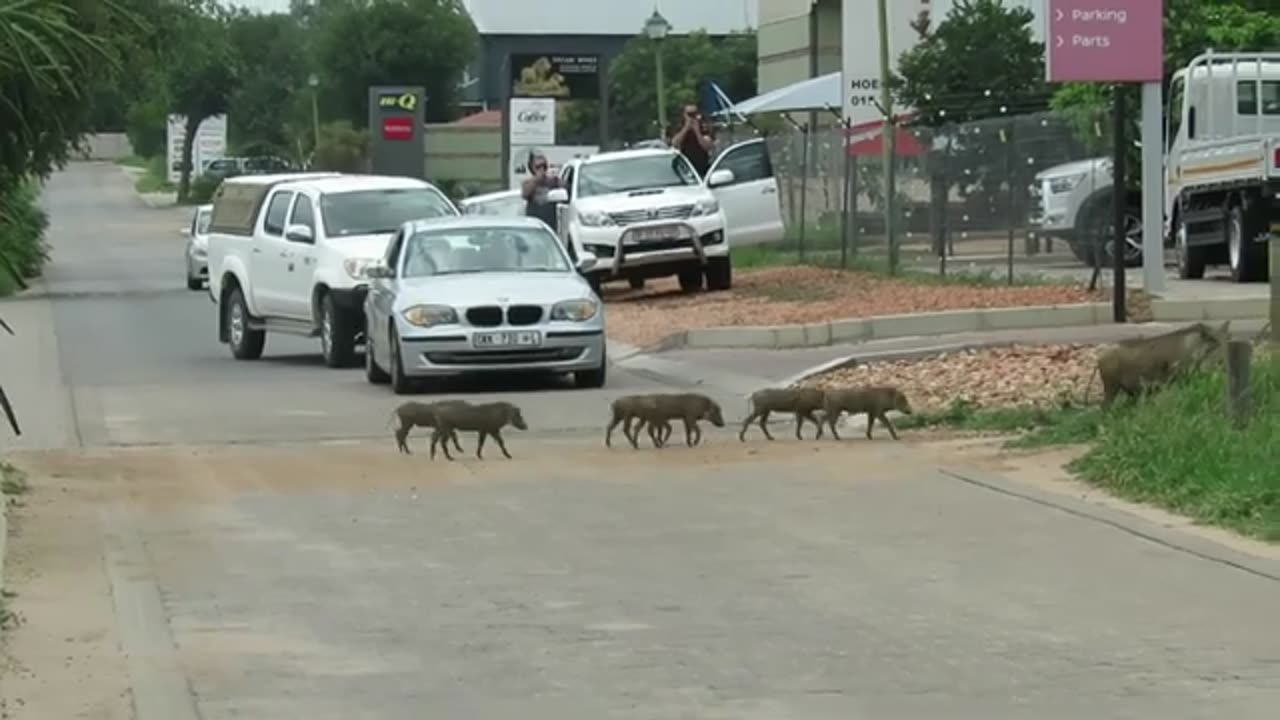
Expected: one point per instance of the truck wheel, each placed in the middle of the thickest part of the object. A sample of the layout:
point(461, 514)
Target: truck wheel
point(1191, 259)
point(690, 280)
point(337, 334)
point(1248, 258)
point(1082, 250)
point(246, 343)
point(636, 283)
point(719, 274)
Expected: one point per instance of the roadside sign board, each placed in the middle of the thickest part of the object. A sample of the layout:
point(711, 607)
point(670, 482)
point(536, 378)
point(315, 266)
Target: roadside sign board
point(396, 127)
point(1109, 41)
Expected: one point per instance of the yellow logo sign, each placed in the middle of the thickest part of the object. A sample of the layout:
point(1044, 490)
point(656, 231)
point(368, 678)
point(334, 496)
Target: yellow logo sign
point(406, 101)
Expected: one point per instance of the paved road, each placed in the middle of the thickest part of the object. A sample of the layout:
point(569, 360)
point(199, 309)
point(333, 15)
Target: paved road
point(139, 353)
point(193, 578)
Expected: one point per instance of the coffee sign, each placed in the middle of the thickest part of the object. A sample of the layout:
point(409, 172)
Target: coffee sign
point(533, 121)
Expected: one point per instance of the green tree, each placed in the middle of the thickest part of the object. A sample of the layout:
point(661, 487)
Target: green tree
point(201, 83)
point(687, 60)
point(270, 50)
point(359, 43)
point(966, 80)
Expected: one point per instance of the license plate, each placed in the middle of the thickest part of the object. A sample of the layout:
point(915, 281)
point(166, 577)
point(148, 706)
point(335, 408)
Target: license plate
point(661, 232)
point(521, 338)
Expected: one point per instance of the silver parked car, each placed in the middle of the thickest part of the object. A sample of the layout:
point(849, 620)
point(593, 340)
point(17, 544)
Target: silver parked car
point(197, 250)
point(505, 203)
point(480, 293)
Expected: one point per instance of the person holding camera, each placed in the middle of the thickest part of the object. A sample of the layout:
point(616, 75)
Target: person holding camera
point(693, 141)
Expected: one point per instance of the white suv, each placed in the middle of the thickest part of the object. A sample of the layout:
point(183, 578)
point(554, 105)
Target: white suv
point(290, 253)
point(643, 214)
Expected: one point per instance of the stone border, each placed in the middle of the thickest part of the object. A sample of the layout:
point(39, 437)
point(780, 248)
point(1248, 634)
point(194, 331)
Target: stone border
point(949, 322)
point(1172, 310)
point(854, 330)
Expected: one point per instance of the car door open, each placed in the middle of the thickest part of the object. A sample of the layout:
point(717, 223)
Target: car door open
point(750, 202)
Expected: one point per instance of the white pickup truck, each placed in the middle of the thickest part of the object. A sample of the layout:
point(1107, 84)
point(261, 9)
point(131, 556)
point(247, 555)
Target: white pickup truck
point(645, 213)
point(290, 253)
point(1222, 171)
point(1222, 175)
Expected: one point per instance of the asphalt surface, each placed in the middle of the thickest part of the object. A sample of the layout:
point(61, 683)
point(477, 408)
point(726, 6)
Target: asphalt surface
point(262, 560)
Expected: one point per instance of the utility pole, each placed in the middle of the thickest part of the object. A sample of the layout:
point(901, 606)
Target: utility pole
point(888, 137)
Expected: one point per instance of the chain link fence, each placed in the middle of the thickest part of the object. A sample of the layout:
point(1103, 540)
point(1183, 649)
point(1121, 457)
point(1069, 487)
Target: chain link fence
point(1010, 196)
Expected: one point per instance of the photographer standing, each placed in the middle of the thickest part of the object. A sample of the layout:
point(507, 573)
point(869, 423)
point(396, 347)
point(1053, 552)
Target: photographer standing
point(693, 141)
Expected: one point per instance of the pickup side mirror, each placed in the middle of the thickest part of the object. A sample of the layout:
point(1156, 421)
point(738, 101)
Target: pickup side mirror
point(379, 272)
point(299, 234)
point(720, 178)
point(558, 195)
point(586, 261)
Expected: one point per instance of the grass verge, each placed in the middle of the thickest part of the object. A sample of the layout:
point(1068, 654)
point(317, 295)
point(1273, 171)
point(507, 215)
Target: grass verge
point(1175, 448)
point(13, 481)
point(154, 179)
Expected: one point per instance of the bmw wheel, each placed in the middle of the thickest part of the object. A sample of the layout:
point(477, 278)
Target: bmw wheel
point(400, 384)
point(372, 371)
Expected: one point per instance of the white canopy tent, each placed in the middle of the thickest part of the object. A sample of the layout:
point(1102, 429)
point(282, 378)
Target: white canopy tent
point(820, 93)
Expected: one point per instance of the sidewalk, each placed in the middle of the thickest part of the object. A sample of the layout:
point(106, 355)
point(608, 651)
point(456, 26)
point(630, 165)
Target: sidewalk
point(743, 371)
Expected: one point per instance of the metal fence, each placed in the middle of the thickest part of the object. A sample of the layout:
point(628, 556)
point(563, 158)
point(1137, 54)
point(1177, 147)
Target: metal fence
point(1015, 195)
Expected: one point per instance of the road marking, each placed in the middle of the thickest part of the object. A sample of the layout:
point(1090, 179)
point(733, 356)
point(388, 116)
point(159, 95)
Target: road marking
point(302, 413)
point(120, 419)
point(619, 627)
point(160, 689)
point(339, 442)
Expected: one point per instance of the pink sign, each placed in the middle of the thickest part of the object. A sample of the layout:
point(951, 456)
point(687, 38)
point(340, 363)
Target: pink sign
point(1105, 40)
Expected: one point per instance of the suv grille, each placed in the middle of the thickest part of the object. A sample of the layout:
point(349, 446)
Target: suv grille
point(485, 316)
point(524, 315)
point(671, 212)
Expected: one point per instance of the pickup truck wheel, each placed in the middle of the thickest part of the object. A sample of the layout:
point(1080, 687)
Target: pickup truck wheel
point(593, 378)
point(1191, 259)
point(1247, 257)
point(246, 343)
point(372, 371)
point(719, 274)
point(690, 280)
point(400, 383)
point(1083, 251)
point(337, 334)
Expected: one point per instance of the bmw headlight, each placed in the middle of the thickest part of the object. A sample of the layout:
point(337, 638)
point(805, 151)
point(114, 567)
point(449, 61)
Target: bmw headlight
point(595, 218)
point(575, 310)
point(357, 267)
point(1066, 183)
point(706, 207)
point(425, 316)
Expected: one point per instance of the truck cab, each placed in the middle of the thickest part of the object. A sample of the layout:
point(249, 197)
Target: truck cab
point(1222, 167)
point(290, 253)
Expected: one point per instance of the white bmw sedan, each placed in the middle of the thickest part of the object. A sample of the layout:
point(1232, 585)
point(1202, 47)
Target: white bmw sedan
point(475, 294)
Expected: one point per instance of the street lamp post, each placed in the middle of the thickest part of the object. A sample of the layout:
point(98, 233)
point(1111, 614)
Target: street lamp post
point(657, 27)
point(314, 82)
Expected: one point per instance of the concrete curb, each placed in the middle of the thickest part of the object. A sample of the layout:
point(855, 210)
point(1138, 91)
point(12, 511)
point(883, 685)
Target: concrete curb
point(1175, 310)
point(1170, 538)
point(888, 326)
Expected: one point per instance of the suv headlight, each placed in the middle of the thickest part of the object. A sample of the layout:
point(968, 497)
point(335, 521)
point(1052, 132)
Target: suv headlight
point(595, 218)
point(357, 267)
point(425, 316)
point(706, 207)
point(575, 310)
point(1066, 183)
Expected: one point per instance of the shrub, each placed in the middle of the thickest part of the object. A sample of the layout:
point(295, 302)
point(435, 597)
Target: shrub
point(202, 189)
point(23, 250)
point(342, 148)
